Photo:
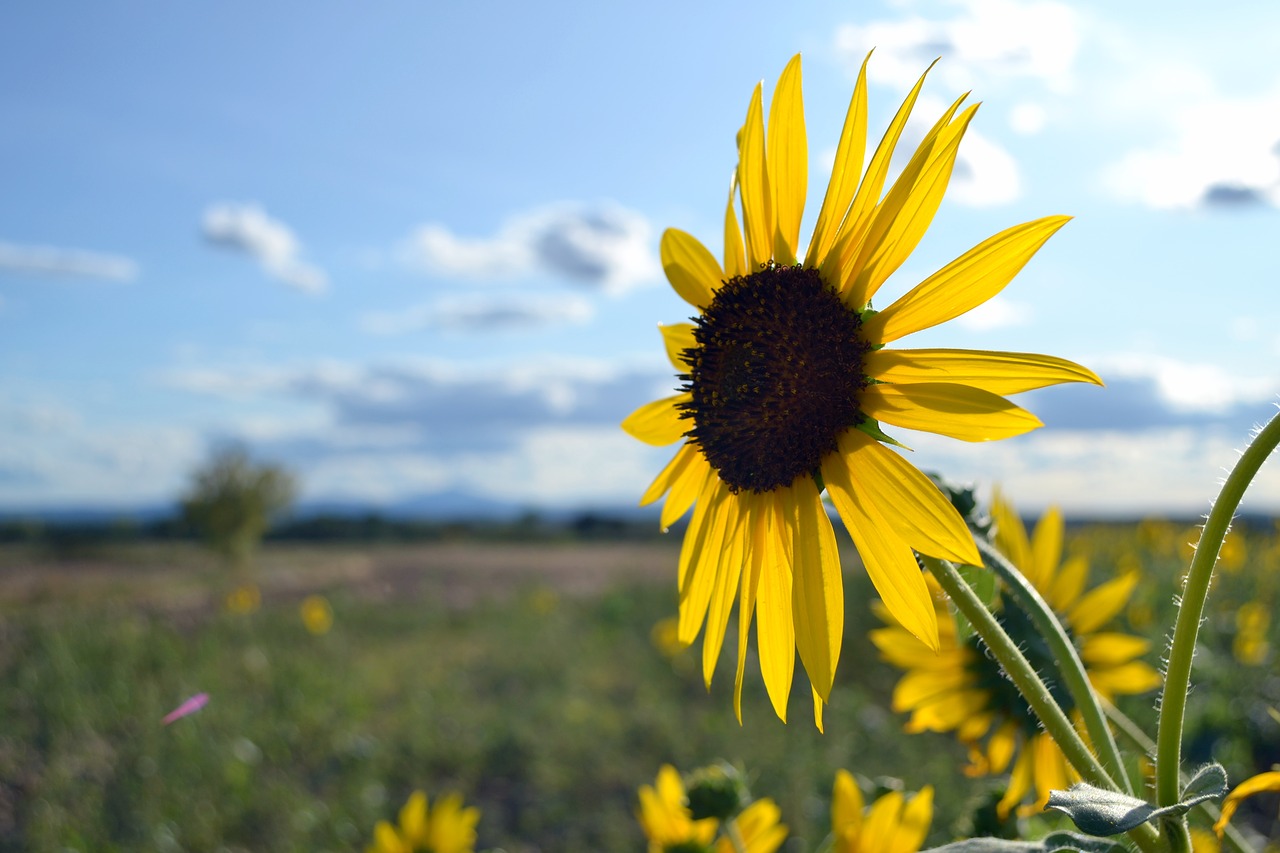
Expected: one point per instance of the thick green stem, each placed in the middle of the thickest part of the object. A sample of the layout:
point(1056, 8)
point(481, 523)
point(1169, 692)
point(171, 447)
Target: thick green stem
point(1067, 658)
point(1131, 730)
point(1032, 688)
point(1177, 679)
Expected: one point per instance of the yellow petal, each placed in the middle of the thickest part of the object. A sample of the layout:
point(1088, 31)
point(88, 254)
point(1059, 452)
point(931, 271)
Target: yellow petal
point(1126, 679)
point(818, 705)
point(413, 818)
point(775, 632)
point(1020, 782)
point(846, 804)
point(658, 423)
point(728, 572)
point(914, 825)
point(909, 207)
point(882, 817)
point(1111, 648)
point(997, 372)
point(788, 157)
point(756, 527)
point(1001, 746)
point(817, 589)
point(963, 284)
point(1069, 584)
point(1101, 604)
point(1269, 781)
point(1011, 535)
point(854, 226)
point(753, 183)
point(1051, 768)
point(918, 512)
point(678, 337)
point(922, 687)
point(685, 489)
point(1046, 548)
point(696, 536)
point(902, 649)
point(888, 560)
point(700, 582)
point(735, 262)
point(844, 173)
point(693, 272)
point(957, 411)
point(662, 483)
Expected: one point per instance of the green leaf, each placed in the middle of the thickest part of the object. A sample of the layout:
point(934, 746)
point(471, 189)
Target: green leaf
point(1058, 842)
point(1101, 812)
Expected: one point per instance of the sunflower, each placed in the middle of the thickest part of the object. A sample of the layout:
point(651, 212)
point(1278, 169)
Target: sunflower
point(449, 828)
point(787, 385)
point(962, 689)
point(670, 827)
point(893, 824)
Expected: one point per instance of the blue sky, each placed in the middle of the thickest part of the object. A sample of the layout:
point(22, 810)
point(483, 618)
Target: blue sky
point(412, 248)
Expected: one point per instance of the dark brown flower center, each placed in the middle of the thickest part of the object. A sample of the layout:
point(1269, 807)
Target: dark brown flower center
point(775, 378)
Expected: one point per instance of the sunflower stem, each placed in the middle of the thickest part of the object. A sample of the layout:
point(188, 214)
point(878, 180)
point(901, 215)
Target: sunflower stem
point(1031, 686)
point(1065, 655)
point(1141, 740)
point(1177, 678)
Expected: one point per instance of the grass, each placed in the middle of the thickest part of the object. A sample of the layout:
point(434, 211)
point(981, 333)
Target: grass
point(523, 677)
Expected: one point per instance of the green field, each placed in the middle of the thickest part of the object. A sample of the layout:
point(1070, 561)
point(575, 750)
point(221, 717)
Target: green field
point(522, 675)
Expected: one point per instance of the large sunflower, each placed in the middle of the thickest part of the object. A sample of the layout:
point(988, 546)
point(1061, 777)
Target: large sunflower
point(893, 823)
point(787, 383)
point(961, 688)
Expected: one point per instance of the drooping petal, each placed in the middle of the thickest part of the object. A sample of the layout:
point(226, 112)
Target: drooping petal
point(1269, 781)
point(1011, 534)
point(1126, 679)
point(696, 536)
point(957, 411)
point(693, 272)
point(775, 632)
point(662, 483)
point(908, 209)
point(695, 595)
point(817, 589)
point(919, 513)
point(685, 490)
point(963, 284)
point(1020, 782)
point(658, 423)
point(753, 184)
point(882, 817)
point(1101, 604)
point(735, 261)
point(1001, 747)
point(788, 157)
point(845, 172)
point(888, 560)
point(725, 590)
point(756, 525)
point(997, 372)
point(676, 338)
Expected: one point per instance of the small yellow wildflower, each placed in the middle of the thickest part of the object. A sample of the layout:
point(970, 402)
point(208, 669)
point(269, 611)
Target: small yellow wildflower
point(316, 614)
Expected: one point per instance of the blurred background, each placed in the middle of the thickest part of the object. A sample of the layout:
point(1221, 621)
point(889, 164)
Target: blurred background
point(379, 282)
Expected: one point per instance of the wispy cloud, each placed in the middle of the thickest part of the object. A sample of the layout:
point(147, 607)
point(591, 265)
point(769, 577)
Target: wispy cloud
point(982, 43)
point(603, 246)
point(71, 263)
point(247, 228)
point(474, 314)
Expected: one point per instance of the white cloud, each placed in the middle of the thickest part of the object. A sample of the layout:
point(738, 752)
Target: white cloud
point(1028, 119)
point(1215, 150)
point(605, 246)
point(247, 228)
point(468, 314)
point(985, 42)
point(1188, 387)
point(72, 263)
point(996, 313)
point(985, 173)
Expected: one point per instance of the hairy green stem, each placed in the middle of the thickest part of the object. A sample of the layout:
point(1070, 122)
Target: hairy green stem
point(1067, 658)
point(1136, 736)
point(1177, 679)
point(1032, 687)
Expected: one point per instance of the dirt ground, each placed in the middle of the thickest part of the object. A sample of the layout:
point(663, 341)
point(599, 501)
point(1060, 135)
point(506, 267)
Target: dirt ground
point(184, 577)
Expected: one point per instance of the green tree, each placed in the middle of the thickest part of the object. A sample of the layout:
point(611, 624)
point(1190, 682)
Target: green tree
point(232, 501)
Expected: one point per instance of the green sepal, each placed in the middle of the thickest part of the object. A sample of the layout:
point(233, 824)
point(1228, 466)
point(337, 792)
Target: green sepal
point(1101, 812)
point(1058, 842)
point(872, 428)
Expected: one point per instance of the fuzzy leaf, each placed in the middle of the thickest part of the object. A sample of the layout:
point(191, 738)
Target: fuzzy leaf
point(1101, 812)
point(1058, 842)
